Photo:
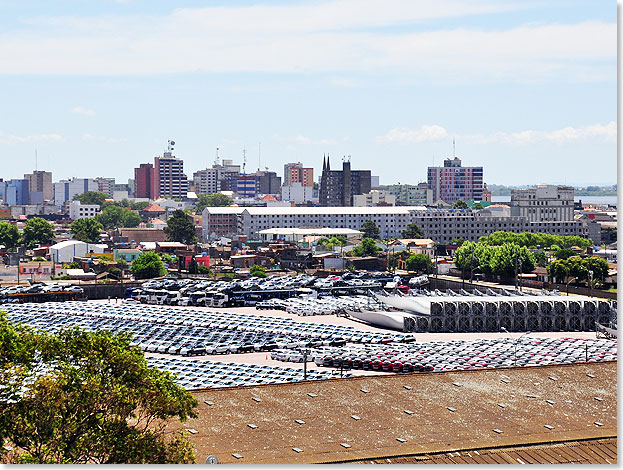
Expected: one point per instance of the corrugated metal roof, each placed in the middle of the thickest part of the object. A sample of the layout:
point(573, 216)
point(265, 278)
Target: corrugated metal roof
point(532, 400)
point(279, 210)
point(598, 451)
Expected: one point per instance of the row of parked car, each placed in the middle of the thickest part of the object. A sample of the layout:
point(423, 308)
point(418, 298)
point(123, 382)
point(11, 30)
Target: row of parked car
point(315, 305)
point(15, 294)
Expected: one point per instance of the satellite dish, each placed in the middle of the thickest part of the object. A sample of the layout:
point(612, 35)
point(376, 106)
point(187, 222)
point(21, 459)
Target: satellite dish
point(211, 459)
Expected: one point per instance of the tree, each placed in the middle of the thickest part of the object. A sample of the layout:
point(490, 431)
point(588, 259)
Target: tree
point(79, 397)
point(91, 197)
point(458, 241)
point(478, 205)
point(86, 230)
point(9, 235)
point(212, 200)
point(148, 265)
point(37, 231)
point(370, 230)
point(114, 216)
point(564, 253)
point(412, 231)
point(257, 271)
point(460, 205)
point(180, 229)
point(598, 265)
point(367, 248)
point(510, 258)
point(419, 263)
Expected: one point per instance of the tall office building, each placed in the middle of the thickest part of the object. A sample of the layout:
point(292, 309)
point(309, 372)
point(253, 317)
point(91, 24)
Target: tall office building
point(65, 190)
point(15, 192)
point(295, 173)
point(169, 170)
point(267, 182)
point(145, 182)
point(105, 185)
point(206, 181)
point(337, 187)
point(40, 182)
point(452, 181)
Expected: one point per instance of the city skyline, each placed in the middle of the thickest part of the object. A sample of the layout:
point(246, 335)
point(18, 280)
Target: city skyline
point(527, 90)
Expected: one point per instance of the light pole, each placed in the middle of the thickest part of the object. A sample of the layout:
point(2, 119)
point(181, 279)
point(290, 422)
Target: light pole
point(516, 341)
point(590, 283)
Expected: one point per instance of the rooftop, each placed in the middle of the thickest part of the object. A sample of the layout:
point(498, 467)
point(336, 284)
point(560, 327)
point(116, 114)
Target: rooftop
point(372, 417)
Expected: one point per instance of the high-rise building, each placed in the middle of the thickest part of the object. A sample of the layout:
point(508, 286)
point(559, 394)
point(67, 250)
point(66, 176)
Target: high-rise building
point(337, 187)
point(206, 181)
point(105, 185)
point(543, 203)
point(227, 175)
point(452, 181)
point(169, 170)
point(295, 173)
point(65, 190)
point(145, 182)
point(40, 182)
point(245, 186)
point(267, 182)
point(15, 192)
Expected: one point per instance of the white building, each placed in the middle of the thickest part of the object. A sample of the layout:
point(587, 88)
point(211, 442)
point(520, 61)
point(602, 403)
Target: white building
point(65, 190)
point(374, 198)
point(82, 211)
point(64, 252)
point(411, 194)
point(543, 203)
point(298, 193)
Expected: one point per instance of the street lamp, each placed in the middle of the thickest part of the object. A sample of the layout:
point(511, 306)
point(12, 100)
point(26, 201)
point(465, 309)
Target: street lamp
point(590, 282)
point(516, 341)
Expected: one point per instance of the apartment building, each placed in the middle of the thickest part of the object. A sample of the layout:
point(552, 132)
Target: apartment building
point(295, 173)
point(374, 198)
point(453, 182)
point(40, 182)
point(169, 171)
point(337, 187)
point(411, 194)
point(83, 211)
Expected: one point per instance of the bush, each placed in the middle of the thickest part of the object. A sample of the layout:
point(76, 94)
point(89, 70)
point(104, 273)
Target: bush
point(257, 271)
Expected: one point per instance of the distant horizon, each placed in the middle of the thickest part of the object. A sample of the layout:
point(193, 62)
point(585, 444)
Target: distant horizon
point(527, 90)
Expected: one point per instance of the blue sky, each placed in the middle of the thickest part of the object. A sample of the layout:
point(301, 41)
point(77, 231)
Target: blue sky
point(527, 88)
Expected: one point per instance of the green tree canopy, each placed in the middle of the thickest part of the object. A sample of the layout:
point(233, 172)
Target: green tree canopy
point(412, 231)
point(564, 253)
point(91, 197)
point(598, 265)
point(212, 200)
point(86, 230)
point(114, 216)
point(477, 205)
point(180, 229)
point(370, 230)
point(9, 235)
point(419, 263)
point(532, 240)
point(460, 205)
point(79, 397)
point(257, 271)
point(37, 231)
point(366, 248)
point(147, 266)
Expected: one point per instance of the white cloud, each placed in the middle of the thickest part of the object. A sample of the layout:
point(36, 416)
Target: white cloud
point(431, 133)
point(8, 139)
point(84, 111)
point(340, 37)
point(108, 140)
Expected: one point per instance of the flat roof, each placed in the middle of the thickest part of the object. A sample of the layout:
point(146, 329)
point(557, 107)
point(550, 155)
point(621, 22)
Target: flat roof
point(309, 231)
point(300, 210)
point(429, 412)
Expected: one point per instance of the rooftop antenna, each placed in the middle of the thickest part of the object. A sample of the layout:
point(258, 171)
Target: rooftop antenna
point(216, 161)
point(170, 145)
point(35, 159)
point(259, 155)
point(453, 147)
point(244, 160)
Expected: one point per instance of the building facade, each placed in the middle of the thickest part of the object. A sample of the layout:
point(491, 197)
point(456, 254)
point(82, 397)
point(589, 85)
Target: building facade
point(411, 194)
point(453, 182)
point(543, 203)
point(295, 173)
point(170, 177)
point(337, 187)
point(374, 198)
point(298, 193)
point(206, 181)
point(82, 211)
point(15, 192)
point(145, 182)
point(65, 190)
point(267, 182)
point(41, 182)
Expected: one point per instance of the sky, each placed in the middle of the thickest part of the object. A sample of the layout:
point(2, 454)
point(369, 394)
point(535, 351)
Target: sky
point(526, 89)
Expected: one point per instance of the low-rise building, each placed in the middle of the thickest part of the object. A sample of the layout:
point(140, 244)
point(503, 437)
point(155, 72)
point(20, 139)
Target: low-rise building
point(411, 195)
point(82, 211)
point(65, 252)
point(374, 198)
